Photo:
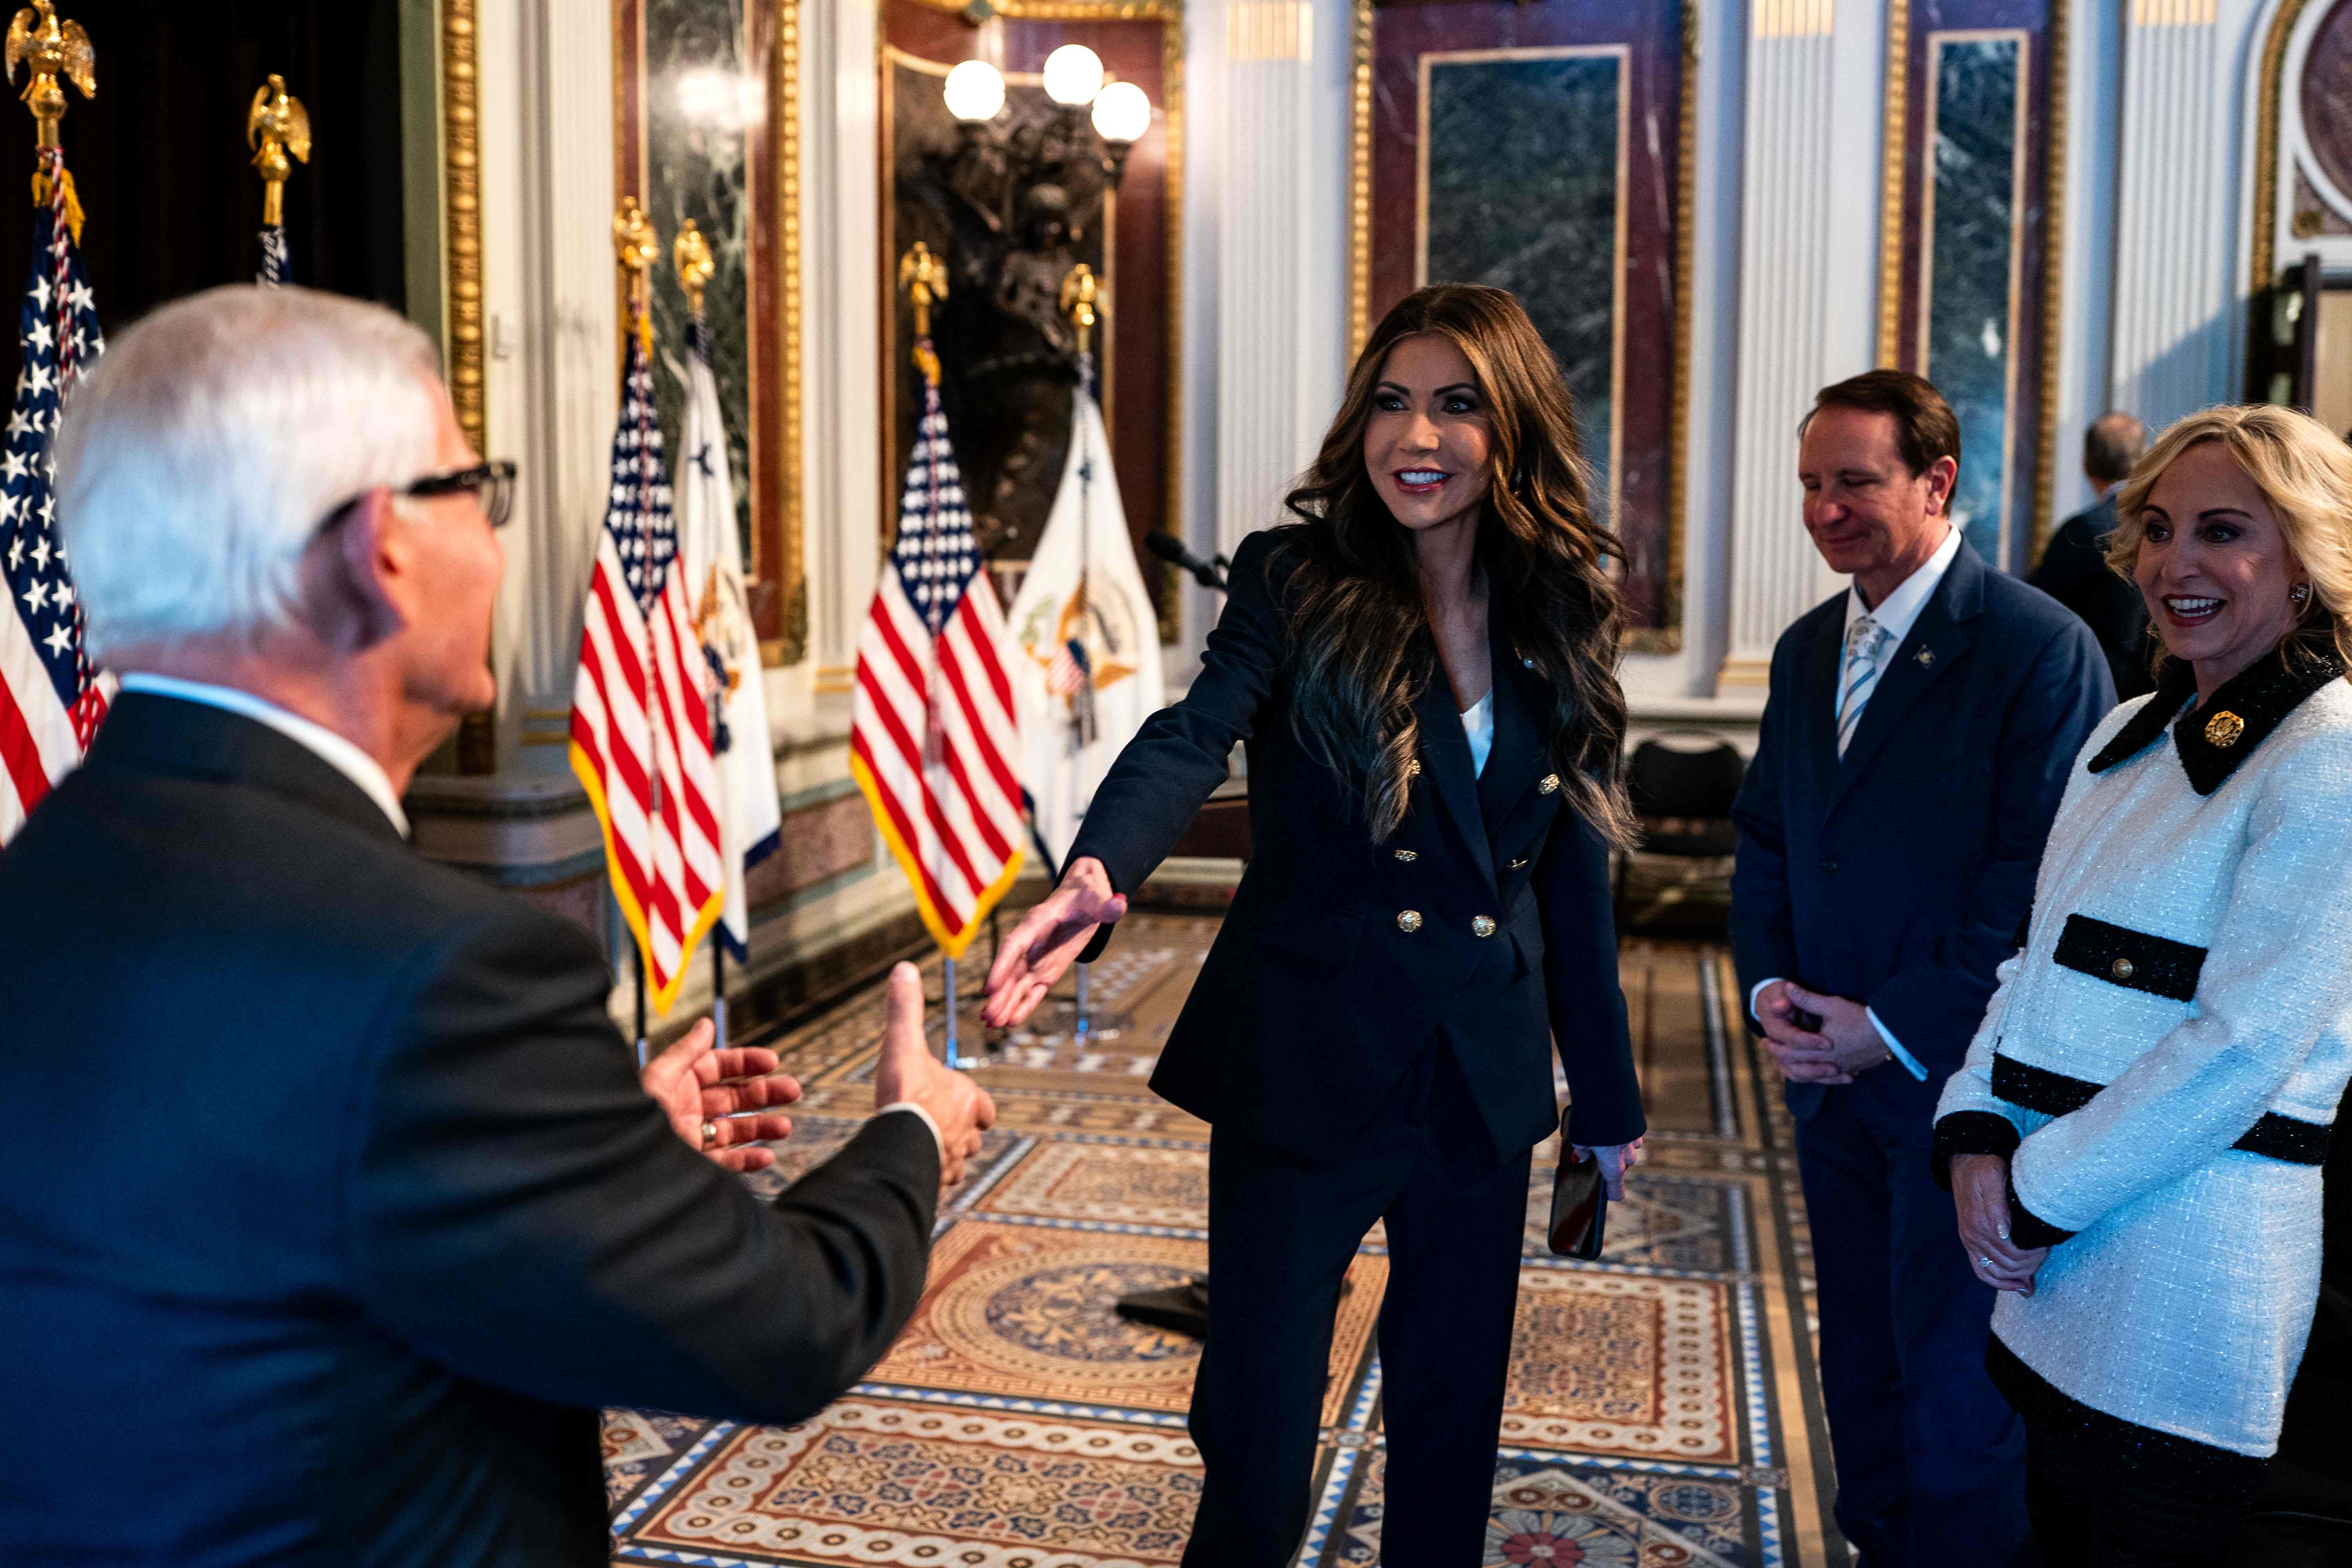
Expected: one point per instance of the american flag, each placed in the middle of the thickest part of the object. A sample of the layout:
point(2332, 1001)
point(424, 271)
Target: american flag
point(51, 699)
point(932, 735)
point(274, 262)
point(641, 707)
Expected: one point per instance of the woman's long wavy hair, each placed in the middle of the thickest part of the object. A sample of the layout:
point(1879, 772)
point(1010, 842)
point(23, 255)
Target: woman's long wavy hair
point(1360, 630)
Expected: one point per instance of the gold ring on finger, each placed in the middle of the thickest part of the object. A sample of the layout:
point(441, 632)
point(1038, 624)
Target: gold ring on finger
point(709, 1133)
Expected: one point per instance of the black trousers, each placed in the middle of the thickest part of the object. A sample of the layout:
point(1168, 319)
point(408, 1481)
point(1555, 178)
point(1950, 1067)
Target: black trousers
point(1281, 1237)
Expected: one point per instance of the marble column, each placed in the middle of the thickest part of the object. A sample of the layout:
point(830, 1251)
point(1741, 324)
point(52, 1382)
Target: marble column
point(2177, 210)
point(1808, 273)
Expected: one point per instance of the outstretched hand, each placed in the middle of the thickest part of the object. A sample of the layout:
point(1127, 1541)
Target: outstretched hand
point(696, 1086)
point(906, 1070)
point(1047, 941)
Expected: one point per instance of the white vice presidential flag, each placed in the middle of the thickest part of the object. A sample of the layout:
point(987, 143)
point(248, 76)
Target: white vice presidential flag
point(711, 552)
point(1086, 670)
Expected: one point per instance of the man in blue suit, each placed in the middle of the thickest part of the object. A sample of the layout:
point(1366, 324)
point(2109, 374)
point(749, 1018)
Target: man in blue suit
point(1918, 737)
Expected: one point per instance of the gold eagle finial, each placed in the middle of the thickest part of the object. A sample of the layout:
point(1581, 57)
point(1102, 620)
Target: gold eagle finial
point(924, 276)
point(59, 52)
point(691, 254)
point(1081, 292)
point(275, 126)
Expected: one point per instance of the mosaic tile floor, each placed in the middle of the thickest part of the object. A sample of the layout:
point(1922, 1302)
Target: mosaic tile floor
point(1663, 1408)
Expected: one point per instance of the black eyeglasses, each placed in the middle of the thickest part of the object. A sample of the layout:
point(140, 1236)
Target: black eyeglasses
point(492, 485)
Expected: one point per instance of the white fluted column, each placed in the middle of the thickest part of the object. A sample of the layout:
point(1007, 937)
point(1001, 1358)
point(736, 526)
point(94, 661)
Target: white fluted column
point(551, 359)
point(2177, 201)
point(1265, 232)
point(1783, 299)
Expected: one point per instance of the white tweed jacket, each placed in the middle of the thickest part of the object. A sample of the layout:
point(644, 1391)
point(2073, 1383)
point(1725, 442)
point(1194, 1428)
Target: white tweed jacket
point(2168, 1050)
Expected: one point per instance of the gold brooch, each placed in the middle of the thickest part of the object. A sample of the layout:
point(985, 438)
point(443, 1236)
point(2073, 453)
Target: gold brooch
point(2224, 727)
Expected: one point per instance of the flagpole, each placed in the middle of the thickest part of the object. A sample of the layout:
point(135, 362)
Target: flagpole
point(276, 126)
point(638, 961)
point(1081, 291)
point(690, 258)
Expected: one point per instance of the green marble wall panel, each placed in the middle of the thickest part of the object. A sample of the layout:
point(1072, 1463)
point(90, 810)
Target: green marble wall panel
point(704, 97)
point(1970, 322)
point(1522, 188)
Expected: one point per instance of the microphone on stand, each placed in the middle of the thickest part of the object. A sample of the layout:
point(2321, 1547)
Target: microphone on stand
point(1209, 573)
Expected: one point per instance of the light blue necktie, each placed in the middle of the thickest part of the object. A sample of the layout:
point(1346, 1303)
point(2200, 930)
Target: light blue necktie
point(1864, 640)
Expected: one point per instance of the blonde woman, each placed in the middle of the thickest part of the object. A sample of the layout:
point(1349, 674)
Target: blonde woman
point(2134, 1145)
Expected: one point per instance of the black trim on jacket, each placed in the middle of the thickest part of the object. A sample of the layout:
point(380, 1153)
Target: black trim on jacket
point(2259, 698)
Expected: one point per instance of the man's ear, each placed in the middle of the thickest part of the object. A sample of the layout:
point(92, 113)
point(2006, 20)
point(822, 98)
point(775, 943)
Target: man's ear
point(350, 575)
point(1942, 476)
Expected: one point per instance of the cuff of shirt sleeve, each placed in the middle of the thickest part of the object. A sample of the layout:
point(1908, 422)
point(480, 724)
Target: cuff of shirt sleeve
point(2027, 1228)
point(1758, 990)
point(928, 1122)
point(1910, 1063)
point(1969, 1132)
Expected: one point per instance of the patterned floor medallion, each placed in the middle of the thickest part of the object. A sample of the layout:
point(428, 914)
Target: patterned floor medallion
point(1555, 1516)
point(1025, 1312)
point(1619, 1364)
point(1116, 1182)
point(914, 1486)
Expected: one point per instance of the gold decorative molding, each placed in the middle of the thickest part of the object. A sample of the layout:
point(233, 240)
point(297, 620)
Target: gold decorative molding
point(461, 206)
point(1667, 638)
point(2262, 273)
point(2053, 280)
point(791, 573)
point(1895, 145)
point(462, 202)
point(1360, 180)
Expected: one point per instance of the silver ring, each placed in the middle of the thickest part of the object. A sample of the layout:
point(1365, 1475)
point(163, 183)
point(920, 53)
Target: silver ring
point(1986, 1261)
point(710, 1134)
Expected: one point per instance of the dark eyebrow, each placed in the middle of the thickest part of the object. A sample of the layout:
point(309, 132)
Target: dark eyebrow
point(1458, 387)
point(2227, 511)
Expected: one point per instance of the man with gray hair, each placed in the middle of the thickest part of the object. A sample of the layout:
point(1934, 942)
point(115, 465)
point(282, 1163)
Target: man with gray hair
point(332, 1204)
point(2073, 566)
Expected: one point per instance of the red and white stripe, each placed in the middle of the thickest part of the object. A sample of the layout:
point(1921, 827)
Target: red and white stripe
point(39, 737)
point(933, 737)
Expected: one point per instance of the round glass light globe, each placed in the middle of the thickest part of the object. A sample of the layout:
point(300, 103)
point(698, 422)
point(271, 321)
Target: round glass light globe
point(1074, 74)
point(975, 91)
point(1121, 112)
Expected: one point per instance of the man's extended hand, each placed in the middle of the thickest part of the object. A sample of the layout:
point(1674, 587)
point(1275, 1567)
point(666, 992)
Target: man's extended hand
point(907, 1071)
point(694, 1084)
point(1047, 940)
point(1845, 1044)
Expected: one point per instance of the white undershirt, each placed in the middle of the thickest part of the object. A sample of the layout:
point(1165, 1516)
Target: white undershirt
point(1478, 728)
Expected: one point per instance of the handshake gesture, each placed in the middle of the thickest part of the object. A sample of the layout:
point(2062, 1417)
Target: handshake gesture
point(717, 1101)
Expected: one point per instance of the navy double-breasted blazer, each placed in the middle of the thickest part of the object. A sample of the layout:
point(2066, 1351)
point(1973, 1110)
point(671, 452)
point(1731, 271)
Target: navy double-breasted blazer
point(1898, 874)
point(1487, 915)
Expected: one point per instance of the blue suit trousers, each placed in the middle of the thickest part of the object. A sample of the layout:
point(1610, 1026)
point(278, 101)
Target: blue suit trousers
point(1930, 1459)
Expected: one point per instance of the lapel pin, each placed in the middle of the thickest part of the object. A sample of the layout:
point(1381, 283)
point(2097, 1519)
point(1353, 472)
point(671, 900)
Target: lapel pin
point(1925, 656)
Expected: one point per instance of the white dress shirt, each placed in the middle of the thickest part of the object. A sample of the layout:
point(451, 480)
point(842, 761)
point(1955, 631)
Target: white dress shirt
point(1896, 614)
point(1478, 728)
point(318, 740)
point(351, 762)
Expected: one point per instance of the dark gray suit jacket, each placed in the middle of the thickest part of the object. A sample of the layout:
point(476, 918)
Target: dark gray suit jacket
point(331, 1208)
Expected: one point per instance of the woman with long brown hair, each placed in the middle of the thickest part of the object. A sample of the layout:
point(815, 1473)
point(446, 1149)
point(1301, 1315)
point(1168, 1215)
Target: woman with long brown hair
point(1421, 668)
